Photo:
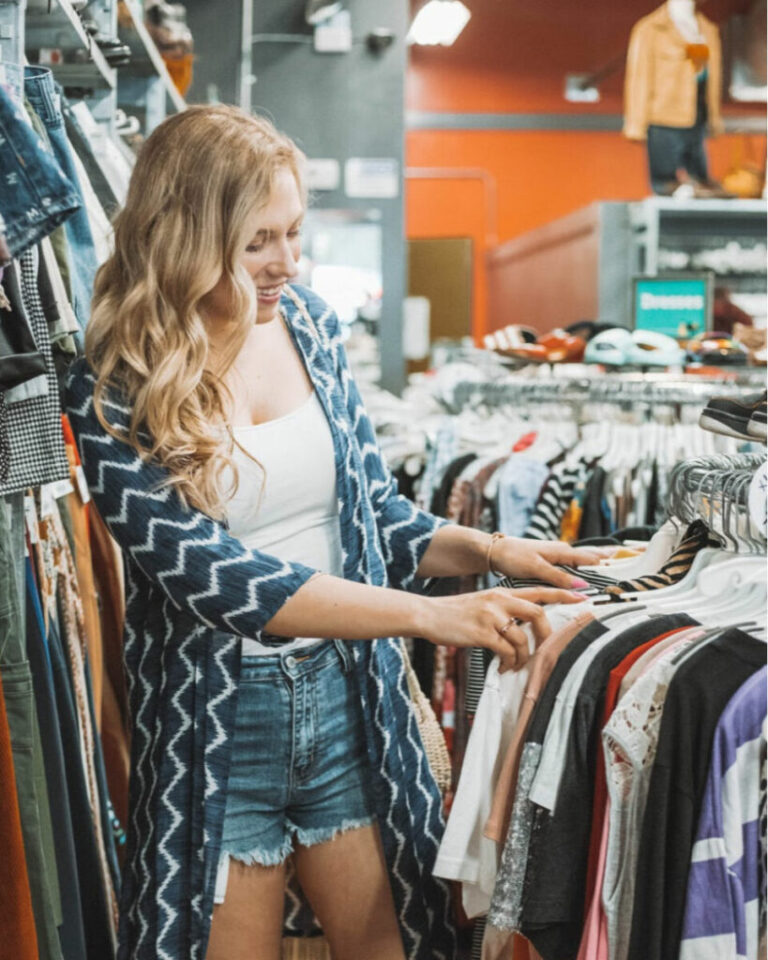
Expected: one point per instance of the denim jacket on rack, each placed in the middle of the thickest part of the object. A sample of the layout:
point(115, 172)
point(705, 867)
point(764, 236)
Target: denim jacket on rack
point(35, 195)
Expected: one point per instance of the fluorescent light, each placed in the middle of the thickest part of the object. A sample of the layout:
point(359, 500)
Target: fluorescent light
point(439, 21)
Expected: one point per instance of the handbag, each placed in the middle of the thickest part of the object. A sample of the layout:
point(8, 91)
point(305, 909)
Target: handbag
point(431, 733)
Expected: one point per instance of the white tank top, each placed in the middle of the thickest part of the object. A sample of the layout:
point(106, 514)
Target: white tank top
point(289, 508)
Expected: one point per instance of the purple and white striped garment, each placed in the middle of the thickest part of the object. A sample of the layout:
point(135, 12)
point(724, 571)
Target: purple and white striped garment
point(722, 904)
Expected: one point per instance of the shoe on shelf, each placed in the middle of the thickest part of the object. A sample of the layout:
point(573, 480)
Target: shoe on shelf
point(510, 339)
point(740, 417)
point(563, 347)
point(757, 422)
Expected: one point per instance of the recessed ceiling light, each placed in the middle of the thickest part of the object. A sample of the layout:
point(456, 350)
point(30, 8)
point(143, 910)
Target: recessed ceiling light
point(438, 22)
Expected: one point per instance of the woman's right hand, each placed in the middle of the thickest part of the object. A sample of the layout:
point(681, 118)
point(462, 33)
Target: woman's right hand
point(487, 619)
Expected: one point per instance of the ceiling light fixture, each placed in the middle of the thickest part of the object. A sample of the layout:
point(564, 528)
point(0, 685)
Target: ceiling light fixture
point(438, 22)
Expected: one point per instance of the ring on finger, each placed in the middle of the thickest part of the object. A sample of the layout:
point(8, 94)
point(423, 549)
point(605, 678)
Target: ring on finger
point(510, 623)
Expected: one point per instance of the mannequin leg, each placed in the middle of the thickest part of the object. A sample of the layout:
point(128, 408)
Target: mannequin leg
point(695, 160)
point(666, 154)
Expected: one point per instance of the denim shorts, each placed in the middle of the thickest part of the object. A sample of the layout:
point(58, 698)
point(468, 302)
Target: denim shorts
point(299, 767)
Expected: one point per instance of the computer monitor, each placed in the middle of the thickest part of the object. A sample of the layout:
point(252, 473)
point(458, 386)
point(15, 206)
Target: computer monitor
point(679, 305)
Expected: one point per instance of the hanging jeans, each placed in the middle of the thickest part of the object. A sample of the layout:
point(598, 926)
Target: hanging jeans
point(71, 931)
point(82, 146)
point(96, 919)
point(25, 738)
point(35, 195)
point(41, 92)
point(17, 921)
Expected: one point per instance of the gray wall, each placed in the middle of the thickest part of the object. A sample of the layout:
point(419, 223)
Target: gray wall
point(216, 28)
point(333, 105)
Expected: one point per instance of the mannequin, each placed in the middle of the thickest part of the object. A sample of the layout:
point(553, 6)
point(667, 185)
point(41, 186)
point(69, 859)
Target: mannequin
point(683, 15)
point(672, 94)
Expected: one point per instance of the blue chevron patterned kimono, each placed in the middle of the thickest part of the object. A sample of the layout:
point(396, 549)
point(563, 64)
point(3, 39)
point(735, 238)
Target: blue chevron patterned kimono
point(192, 592)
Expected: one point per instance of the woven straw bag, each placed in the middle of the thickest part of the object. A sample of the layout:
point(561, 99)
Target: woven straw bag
point(431, 734)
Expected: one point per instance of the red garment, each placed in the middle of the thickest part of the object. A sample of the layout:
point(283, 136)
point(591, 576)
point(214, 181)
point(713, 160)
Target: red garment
point(18, 939)
point(601, 784)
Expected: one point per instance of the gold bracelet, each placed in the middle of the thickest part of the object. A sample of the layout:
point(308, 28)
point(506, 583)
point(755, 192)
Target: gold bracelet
point(494, 537)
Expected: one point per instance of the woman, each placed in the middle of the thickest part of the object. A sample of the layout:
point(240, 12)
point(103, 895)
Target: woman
point(226, 447)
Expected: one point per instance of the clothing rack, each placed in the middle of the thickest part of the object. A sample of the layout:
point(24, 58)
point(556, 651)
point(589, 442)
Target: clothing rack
point(629, 389)
point(716, 489)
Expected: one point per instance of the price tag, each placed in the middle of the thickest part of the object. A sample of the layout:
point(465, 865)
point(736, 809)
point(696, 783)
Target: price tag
point(47, 502)
point(61, 488)
point(30, 518)
point(82, 485)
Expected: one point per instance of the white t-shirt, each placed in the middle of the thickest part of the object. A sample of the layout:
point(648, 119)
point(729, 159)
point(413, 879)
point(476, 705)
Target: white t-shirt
point(465, 853)
point(286, 504)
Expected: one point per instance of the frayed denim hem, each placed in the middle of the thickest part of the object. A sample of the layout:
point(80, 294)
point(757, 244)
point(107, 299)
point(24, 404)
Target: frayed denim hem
point(306, 838)
point(310, 838)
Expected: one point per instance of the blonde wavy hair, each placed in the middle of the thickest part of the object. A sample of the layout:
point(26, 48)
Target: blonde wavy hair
point(197, 180)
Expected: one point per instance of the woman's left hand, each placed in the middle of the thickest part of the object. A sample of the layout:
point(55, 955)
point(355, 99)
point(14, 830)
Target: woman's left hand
point(535, 559)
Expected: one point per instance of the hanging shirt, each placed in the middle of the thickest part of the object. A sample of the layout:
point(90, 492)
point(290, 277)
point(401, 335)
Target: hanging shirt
point(465, 853)
point(630, 739)
point(553, 899)
point(507, 894)
point(722, 903)
point(698, 694)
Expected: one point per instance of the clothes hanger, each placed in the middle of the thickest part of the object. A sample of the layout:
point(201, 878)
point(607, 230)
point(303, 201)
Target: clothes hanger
point(687, 586)
point(622, 611)
point(734, 581)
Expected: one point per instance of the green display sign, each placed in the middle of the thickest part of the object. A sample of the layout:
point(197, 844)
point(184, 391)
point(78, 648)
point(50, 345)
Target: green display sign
point(680, 307)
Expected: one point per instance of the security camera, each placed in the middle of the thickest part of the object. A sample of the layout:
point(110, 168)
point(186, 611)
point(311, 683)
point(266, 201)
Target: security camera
point(379, 39)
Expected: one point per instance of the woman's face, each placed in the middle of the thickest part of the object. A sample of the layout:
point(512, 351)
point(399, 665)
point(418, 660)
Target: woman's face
point(272, 250)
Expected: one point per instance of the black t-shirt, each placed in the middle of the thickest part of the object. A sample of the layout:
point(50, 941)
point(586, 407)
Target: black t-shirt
point(439, 504)
point(555, 881)
point(697, 696)
point(594, 521)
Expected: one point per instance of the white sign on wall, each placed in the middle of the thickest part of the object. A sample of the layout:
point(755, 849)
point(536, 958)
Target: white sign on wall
point(372, 178)
point(416, 312)
point(323, 174)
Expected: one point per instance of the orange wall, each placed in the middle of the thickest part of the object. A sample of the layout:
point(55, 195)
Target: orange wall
point(513, 57)
point(539, 176)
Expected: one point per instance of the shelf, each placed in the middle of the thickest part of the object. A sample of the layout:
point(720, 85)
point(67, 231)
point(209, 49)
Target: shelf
point(146, 62)
point(686, 207)
point(61, 29)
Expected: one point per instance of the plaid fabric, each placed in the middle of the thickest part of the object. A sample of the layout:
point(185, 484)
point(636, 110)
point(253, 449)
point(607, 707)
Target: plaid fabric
point(35, 441)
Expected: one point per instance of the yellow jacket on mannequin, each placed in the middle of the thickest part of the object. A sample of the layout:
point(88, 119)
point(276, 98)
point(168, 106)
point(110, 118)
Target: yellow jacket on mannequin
point(660, 83)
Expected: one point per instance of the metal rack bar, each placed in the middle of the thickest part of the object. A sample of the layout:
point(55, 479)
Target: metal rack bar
point(628, 390)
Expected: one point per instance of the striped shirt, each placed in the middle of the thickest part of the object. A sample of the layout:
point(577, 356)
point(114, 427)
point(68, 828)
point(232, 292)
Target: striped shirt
point(722, 902)
point(555, 496)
